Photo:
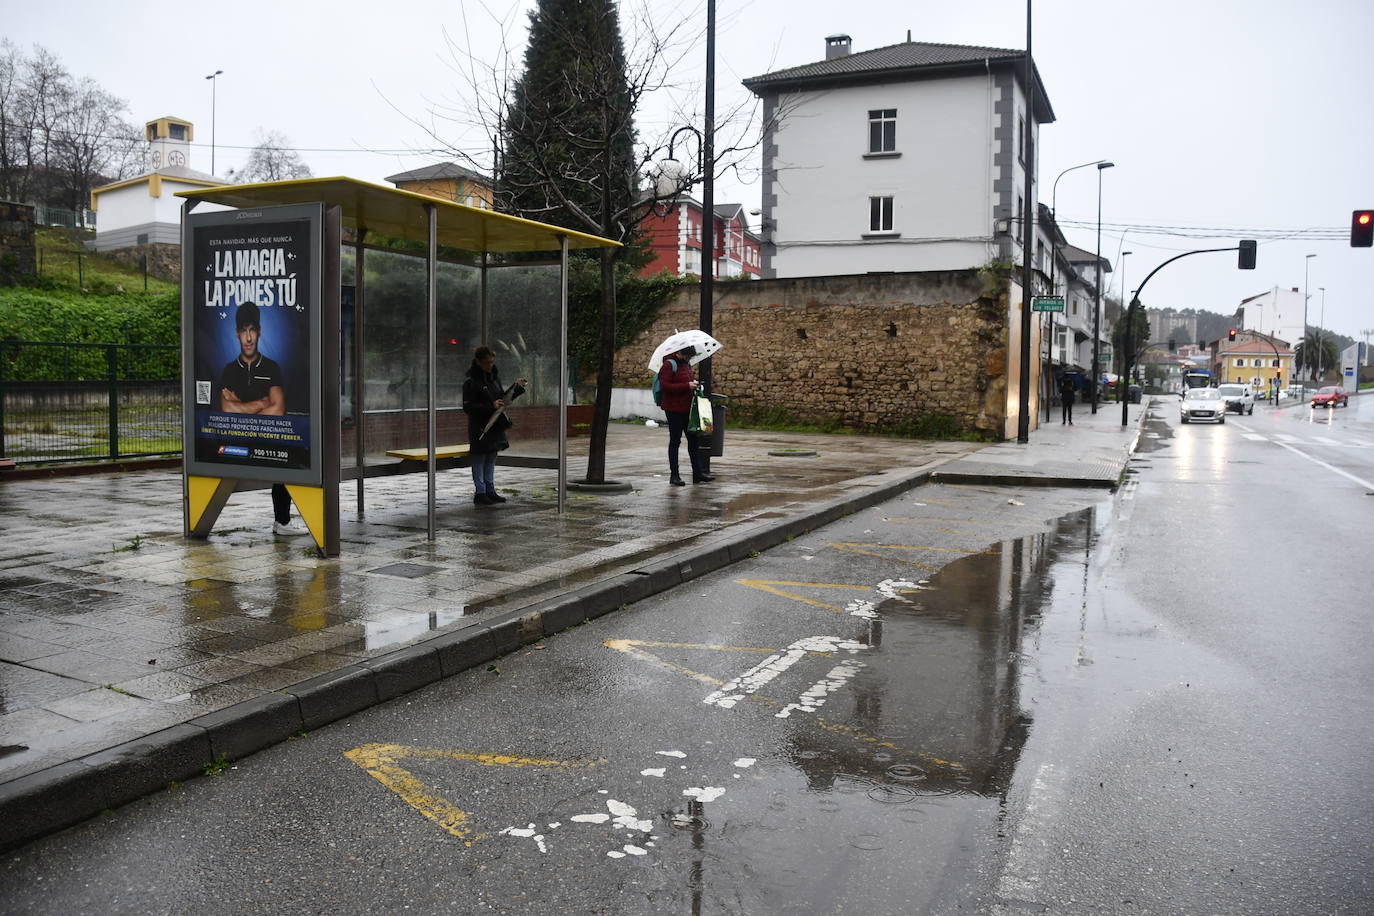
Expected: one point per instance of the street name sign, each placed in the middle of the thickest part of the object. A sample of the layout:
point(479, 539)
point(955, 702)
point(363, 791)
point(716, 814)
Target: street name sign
point(1047, 303)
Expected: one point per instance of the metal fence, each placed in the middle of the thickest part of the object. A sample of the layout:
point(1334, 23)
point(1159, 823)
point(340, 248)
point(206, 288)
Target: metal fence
point(88, 402)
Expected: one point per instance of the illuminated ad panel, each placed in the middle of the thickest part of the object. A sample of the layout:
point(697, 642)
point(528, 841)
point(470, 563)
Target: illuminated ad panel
point(251, 313)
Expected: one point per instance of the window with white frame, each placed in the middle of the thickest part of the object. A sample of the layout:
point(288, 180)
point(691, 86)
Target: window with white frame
point(882, 130)
point(880, 214)
point(691, 261)
point(1240, 362)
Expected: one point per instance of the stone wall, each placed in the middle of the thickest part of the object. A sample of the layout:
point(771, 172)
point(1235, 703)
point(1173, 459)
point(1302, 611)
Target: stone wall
point(164, 260)
point(18, 257)
point(872, 352)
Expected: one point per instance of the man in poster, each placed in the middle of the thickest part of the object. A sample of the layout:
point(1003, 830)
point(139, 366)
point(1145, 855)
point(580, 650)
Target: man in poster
point(251, 383)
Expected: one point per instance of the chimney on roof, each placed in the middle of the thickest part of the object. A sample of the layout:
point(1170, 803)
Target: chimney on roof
point(837, 46)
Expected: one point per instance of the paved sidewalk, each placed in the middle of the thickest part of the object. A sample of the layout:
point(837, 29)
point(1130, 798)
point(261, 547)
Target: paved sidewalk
point(131, 657)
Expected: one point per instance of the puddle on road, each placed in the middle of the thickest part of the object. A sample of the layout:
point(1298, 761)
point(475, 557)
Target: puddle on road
point(941, 684)
point(920, 747)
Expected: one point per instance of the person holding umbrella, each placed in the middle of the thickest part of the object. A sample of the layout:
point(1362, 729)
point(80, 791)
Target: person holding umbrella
point(484, 401)
point(678, 383)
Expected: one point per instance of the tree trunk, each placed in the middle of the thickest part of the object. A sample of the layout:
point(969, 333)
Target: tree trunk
point(601, 413)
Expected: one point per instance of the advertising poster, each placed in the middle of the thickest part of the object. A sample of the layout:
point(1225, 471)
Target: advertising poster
point(254, 312)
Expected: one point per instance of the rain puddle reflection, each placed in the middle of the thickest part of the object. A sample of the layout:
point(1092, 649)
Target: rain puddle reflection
point(923, 742)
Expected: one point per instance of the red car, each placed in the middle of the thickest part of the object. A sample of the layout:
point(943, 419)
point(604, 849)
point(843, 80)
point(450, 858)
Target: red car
point(1331, 396)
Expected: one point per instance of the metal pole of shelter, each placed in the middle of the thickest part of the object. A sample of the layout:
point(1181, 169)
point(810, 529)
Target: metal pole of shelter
point(360, 455)
point(483, 324)
point(562, 374)
point(432, 361)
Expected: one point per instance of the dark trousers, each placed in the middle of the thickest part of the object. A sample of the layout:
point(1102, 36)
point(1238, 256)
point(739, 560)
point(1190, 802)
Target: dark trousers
point(281, 503)
point(1068, 411)
point(677, 425)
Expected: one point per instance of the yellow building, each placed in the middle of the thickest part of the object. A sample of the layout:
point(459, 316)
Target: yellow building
point(1255, 359)
point(447, 181)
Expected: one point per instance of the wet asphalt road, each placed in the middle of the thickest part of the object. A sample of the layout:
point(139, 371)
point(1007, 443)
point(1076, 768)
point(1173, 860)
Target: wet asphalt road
point(967, 699)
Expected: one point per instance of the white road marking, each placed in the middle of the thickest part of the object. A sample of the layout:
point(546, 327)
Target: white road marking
point(704, 794)
point(1364, 483)
point(1326, 441)
point(814, 697)
point(1256, 437)
point(765, 671)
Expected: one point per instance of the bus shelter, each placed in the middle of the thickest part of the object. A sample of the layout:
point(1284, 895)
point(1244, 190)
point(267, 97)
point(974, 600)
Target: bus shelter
point(327, 324)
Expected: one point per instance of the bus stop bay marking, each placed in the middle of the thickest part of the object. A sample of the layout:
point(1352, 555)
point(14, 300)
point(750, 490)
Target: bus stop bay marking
point(873, 550)
point(627, 832)
point(767, 670)
point(640, 649)
point(787, 588)
point(381, 761)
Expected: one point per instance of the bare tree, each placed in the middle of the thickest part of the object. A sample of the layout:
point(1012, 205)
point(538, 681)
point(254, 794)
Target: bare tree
point(272, 159)
point(561, 142)
point(59, 137)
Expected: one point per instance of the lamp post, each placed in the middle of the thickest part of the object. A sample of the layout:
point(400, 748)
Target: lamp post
point(1321, 349)
point(1097, 287)
point(1054, 257)
point(1306, 356)
point(214, 83)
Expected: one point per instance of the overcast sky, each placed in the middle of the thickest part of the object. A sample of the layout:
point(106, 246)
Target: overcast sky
point(1227, 118)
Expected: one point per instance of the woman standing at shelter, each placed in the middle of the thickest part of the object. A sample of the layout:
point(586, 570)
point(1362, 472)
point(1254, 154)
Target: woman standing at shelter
point(483, 397)
point(678, 384)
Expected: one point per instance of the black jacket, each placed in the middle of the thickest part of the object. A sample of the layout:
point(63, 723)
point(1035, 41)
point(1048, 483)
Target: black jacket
point(481, 390)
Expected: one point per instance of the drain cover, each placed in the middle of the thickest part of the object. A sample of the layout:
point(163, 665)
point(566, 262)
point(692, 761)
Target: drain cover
point(405, 570)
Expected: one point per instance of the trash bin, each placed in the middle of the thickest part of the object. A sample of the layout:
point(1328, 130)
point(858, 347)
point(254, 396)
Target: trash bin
point(714, 444)
point(1134, 393)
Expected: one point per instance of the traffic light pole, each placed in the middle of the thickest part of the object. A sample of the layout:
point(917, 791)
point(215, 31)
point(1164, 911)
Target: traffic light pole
point(1124, 383)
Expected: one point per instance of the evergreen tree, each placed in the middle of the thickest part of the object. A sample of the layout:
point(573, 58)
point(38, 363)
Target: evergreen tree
point(568, 155)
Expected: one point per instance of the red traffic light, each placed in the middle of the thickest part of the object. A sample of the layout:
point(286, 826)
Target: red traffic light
point(1362, 229)
point(1231, 335)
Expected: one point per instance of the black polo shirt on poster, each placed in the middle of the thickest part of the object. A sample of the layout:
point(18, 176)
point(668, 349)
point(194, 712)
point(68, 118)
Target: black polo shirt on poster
point(251, 382)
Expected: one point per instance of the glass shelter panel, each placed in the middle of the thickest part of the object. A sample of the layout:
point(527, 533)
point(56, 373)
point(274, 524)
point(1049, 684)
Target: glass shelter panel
point(523, 327)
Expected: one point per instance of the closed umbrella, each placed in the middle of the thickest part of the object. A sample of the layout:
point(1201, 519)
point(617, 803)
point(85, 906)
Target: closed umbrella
point(704, 344)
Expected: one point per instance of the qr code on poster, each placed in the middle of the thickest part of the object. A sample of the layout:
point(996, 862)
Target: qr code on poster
point(203, 393)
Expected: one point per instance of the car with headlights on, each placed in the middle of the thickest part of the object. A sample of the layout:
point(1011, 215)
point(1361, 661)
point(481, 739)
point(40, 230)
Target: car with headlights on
point(1202, 405)
point(1239, 398)
point(1330, 396)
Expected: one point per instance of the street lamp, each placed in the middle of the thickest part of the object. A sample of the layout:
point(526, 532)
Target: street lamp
point(1054, 291)
point(1321, 350)
point(214, 83)
point(1097, 291)
point(1306, 356)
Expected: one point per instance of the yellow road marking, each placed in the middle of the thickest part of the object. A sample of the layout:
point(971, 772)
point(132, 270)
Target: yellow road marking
point(632, 647)
point(854, 547)
point(379, 761)
point(768, 585)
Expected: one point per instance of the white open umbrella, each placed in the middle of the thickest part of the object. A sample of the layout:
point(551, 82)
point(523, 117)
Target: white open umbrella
point(704, 344)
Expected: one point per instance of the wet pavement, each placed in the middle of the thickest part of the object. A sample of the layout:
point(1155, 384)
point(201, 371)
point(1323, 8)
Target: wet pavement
point(130, 656)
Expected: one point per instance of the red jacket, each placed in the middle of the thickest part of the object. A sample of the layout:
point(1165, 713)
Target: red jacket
point(677, 387)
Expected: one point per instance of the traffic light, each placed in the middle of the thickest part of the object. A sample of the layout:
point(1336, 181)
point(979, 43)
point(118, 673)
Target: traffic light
point(1362, 229)
point(1172, 345)
point(1231, 334)
point(1247, 254)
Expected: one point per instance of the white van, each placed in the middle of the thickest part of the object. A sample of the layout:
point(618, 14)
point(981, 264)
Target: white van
point(1239, 397)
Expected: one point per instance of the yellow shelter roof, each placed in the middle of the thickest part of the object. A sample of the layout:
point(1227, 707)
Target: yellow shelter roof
point(401, 214)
